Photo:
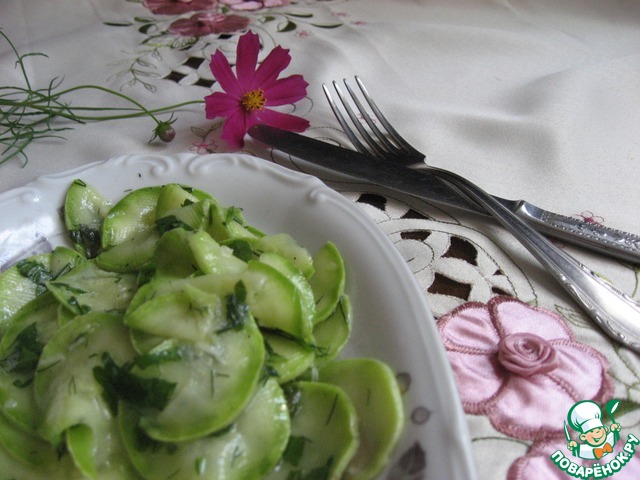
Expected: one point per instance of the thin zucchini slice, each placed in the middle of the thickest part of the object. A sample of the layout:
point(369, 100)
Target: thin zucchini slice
point(26, 279)
point(66, 389)
point(324, 434)
point(173, 196)
point(332, 334)
point(25, 446)
point(84, 212)
point(134, 213)
point(88, 288)
point(286, 246)
point(327, 280)
point(247, 450)
point(289, 269)
point(221, 355)
point(374, 391)
point(213, 258)
point(16, 469)
point(287, 357)
point(20, 350)
point(132, 255)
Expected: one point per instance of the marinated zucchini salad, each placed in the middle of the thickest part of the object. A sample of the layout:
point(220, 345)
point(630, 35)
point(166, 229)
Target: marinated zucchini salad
point(173, 340)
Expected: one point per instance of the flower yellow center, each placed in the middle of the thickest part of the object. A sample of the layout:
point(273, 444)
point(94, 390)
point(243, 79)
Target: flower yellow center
point(253, 100)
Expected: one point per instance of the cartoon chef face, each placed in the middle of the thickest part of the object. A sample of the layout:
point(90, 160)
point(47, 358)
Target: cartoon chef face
point(595, 437)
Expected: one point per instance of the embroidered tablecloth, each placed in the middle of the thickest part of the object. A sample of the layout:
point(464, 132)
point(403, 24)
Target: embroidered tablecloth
point(535, 100)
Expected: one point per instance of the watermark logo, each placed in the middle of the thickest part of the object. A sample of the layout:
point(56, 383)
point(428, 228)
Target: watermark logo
point(594, 440)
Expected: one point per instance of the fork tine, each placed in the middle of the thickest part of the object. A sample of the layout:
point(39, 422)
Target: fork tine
point(343, 122)
point(387, 147)
point(383, 120)
point(374, 147)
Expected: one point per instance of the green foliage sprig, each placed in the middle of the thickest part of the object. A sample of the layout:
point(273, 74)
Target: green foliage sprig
point(28, 114)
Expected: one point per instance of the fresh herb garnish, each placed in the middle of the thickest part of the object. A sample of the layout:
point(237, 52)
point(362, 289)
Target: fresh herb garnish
point(237, 309)
point(88, 239)
point(119, 383)
point(241, 249)
point(36, 272)
point(170, 222)
point(24, 355)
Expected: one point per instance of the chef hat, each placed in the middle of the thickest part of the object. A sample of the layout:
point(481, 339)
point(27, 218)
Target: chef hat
point(585, 416)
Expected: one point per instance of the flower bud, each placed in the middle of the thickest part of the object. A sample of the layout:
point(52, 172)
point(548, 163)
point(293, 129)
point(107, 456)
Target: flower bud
point(165, 132)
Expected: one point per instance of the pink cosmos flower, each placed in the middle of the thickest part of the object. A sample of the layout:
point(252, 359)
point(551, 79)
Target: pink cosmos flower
point(520, 366)
point(247, 95)
point(178, 7)
point(204, 23)
point(254, 4)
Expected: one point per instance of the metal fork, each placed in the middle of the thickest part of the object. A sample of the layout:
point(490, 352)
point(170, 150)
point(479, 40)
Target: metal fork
point(614, 312)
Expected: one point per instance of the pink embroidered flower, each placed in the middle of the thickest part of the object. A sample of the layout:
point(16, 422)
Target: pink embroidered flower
point(520, 366)
point(247, 94)
point(254, 4)
point(177, 7)
point(204, 23)
point(537, 464)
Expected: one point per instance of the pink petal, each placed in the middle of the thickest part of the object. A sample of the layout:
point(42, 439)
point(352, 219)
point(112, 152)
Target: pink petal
point(576, 359)
point(285, 121)
point(234, 129)
point(511, 315)
point(222, 72)
point(479, 379)
point(286, 90)
point(247, 59)
point(220, 104)
point(468, 328)
point(268, 71)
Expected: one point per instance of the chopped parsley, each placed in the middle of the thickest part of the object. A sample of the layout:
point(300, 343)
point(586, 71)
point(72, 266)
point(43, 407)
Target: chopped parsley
point(237, 309)
point(119, 383)
point(88, 239)
point(170, 222)
point(36, 272)
point(24, 355)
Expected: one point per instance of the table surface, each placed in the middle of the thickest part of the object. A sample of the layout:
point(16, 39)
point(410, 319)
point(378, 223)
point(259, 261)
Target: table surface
point(534, 100)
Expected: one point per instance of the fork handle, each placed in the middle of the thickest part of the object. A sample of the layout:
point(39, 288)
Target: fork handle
point(614, 312)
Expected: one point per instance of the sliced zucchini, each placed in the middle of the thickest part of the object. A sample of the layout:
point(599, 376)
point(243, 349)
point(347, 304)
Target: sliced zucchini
point(286, 246)
point(247, 450)
point(66, 389)
point(84, 212)
point(131, 255)
point(324, 434)
point(25, 446)
point(228, 223)
point(59, 469)
point(213, 258)
point(173, 257)
point(332, 334)
point(221, 356)
point(287, 357)
point(21, 283)
point(134, 213)
point(88, 288)
point(327, 280)
point(173, 196)
point(291, 271)
point(28, 278)
point(374, 391)
point(31, 328)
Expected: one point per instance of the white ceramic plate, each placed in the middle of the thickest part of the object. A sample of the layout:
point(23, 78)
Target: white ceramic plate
point(392, 321)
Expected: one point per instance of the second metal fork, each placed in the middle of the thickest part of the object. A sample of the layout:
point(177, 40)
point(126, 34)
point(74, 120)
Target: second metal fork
point(616, 313)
